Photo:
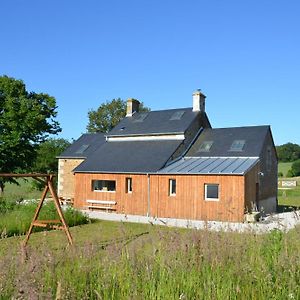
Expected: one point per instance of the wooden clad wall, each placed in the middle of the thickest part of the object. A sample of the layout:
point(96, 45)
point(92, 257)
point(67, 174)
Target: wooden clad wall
point(189, 201)
point(251, 179)
point(130, 203)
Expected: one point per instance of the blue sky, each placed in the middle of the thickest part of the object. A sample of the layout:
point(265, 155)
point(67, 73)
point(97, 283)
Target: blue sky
point(244, 55)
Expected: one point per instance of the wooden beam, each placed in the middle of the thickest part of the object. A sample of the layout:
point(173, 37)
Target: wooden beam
point(33, 175)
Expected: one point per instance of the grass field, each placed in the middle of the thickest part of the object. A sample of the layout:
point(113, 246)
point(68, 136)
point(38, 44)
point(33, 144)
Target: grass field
point(22, 191)
point(284, 167)
point(113, 260)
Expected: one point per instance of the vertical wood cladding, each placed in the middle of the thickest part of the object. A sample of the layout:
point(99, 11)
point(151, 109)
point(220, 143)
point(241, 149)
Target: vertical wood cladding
point(188, 203)
point(134, 203)
point(269, 168)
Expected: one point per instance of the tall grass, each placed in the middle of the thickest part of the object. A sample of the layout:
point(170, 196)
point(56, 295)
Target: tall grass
point(143, 262)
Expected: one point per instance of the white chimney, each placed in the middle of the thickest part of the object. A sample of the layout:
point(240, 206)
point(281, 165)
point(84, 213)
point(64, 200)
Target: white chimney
point(199, 101)
point(132, 107)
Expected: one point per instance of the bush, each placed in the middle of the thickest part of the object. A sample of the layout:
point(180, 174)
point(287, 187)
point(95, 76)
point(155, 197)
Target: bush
point(289, 173)
point(296, 168)
point(280, 174)
point(17, 219)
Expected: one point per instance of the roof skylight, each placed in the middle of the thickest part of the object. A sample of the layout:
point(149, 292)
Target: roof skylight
point(81, 149)
point(177, 115)
point(237, 145)
point(140, 117)
point(205, 146)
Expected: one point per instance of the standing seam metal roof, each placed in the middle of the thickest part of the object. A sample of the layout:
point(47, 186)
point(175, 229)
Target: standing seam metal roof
point(211, 165)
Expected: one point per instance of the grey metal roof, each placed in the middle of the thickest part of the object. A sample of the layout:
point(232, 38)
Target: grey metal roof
point(211, 165)
point(84, 146)
point(157, 122)
point(223, 138)
point(128, 156)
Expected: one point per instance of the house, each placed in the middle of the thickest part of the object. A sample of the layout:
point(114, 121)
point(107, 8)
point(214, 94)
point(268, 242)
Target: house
point(172, 164)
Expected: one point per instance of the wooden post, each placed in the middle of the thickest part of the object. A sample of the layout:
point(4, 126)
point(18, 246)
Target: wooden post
point(45, 223)
point(49, 223)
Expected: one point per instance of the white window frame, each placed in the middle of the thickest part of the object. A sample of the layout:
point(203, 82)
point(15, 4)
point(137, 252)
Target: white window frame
point(103, 190)
point(171, 192)
point(205, 192)
point(129, 185)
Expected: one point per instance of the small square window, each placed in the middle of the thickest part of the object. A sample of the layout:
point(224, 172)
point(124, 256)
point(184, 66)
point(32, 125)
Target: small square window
point(128, 185)
point(205, 146)
point(237, 145)
point(172, 187)
point(212, 192)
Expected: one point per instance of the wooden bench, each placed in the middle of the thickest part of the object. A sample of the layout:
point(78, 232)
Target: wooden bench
point(101, 204)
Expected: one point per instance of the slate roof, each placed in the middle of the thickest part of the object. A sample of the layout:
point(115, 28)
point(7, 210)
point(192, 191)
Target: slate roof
point(222, 140)
point(156, 122)
point(127, 157)
point(211, 166)
point(84, 146)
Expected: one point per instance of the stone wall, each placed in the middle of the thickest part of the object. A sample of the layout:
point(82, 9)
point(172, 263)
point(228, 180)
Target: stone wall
point(66, 178)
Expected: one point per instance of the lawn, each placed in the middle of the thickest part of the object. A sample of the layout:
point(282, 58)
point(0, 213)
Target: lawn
point(114, 260)
point(283, 167)
point(24, 190)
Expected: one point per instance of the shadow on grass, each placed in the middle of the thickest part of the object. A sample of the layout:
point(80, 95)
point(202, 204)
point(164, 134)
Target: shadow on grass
point(286, 208)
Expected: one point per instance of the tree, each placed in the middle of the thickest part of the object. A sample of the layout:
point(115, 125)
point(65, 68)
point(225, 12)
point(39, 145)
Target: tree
point(295, 169)
point(288, 152)
point(46, 161)
point(108, 115)
point(26, 119)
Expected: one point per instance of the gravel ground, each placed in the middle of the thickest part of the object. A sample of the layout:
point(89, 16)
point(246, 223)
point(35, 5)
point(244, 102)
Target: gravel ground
point(283, 221)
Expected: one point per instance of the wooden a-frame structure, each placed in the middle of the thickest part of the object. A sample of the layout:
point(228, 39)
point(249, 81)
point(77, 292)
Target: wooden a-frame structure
point(60, 224)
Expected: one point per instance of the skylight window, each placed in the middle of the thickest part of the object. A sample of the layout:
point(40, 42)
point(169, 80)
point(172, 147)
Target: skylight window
point(82, 149)
point(205, 146)
point(177, 115)
point(140, 117)
point(237, 145)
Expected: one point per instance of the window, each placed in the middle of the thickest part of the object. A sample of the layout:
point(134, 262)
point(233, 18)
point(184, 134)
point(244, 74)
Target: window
point(177, 115)
point(172, 187)
point(212, 192)
point(128, 185)
point(104, 185)
point(205, 146)
point(237, 145)
point(81, 149)
point(140, 117)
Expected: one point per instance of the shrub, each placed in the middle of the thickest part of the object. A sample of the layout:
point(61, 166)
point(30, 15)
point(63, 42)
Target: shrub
point(16, 220)
point(280, 174)
point(296, 168)
point(289, 173)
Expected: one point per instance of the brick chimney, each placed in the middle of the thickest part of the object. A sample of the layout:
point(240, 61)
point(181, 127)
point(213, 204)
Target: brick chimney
point(199, 101)
point(132, 107)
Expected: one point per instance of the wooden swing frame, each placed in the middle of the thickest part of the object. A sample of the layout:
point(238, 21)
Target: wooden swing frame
point(60, 224)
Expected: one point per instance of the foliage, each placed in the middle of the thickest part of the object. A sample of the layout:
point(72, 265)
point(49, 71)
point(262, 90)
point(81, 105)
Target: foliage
point(284, 167)
point(108, 115)
point(288, 152)
point(26, 119)
point(280, 174)
point(111, 260)
point(15, 219)
point(46, 161)
point(296, 168)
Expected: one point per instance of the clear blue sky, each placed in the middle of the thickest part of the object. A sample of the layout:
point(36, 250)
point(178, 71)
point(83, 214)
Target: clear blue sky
point(244, 55)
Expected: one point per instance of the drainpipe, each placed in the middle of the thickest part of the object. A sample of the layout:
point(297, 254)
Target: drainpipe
point(148, 208)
